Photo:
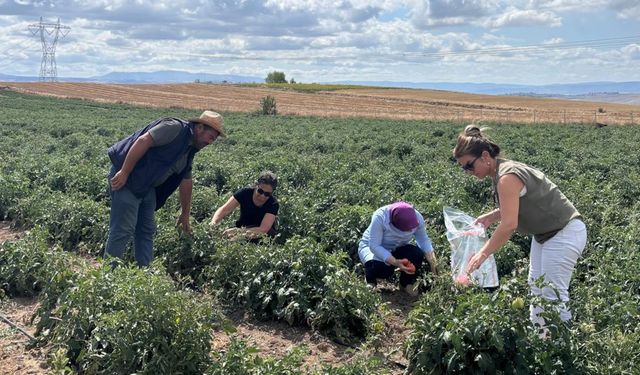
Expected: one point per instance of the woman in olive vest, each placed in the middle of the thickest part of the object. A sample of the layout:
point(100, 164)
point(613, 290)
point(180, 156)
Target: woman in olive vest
point(529, 203)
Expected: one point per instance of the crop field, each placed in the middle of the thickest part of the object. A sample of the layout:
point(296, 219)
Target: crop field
point(348, 101)
point(188, 312)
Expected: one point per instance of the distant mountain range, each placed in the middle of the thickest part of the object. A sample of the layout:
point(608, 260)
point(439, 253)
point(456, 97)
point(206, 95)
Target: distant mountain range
point(583, 88)
point(166, 76)
point(624, 92)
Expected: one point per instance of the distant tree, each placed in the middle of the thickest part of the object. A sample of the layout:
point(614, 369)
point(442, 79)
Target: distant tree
point(276, 77)
point(292, 81)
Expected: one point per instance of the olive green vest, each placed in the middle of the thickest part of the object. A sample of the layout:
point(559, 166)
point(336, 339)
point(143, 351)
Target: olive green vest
point(544, 210)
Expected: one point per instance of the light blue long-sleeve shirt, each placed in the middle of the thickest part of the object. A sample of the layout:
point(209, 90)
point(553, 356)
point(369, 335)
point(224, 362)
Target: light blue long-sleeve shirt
point(381, 237)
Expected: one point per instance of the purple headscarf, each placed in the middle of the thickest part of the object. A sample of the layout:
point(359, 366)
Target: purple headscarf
point(403, 216)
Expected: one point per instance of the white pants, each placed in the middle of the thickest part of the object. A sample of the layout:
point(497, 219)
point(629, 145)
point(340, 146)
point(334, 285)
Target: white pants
point(556, 260)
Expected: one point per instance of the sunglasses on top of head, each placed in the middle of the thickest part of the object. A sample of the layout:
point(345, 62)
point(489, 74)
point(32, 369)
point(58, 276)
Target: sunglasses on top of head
point(265, 193)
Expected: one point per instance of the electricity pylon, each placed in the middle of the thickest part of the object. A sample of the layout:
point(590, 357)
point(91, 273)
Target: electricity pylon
point(50, 34)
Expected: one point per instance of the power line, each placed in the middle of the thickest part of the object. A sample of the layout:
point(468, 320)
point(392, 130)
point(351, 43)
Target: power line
point(25, 44)
point(28, 44)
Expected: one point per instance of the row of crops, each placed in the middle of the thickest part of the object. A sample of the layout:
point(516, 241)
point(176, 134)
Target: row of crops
point(333, 174)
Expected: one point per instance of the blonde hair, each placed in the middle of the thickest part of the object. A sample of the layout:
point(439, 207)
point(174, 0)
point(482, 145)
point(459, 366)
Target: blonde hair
point(473, 141)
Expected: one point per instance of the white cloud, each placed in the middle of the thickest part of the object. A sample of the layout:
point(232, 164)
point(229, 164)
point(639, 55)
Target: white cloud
point(626, 9)
point(632, 51)
point(553, 41)
point(525, 18)
point(427, 13)
point(460, 8)
point(567, 5)
point(345, 39)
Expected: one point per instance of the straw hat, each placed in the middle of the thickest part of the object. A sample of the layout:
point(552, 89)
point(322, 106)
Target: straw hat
point(211, 119)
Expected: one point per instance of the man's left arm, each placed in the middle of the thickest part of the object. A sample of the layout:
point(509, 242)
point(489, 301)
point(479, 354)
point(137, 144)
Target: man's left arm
point(185, 191)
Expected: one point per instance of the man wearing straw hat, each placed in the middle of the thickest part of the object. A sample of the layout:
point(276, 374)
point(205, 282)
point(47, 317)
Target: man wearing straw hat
point(147, 167)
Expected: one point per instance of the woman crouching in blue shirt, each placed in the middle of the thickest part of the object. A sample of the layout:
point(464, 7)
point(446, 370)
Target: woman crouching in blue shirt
point(385, 245)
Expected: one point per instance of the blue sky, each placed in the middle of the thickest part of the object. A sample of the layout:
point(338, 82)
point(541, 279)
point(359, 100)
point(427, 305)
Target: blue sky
point(519, 41)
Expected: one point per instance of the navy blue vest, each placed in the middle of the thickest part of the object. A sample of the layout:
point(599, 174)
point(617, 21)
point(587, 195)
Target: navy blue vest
point(155, 163)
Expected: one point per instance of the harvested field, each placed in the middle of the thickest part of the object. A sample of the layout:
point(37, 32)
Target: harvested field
point(365, 102)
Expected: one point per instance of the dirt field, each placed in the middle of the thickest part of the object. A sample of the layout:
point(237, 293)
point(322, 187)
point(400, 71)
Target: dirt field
point(365, 102)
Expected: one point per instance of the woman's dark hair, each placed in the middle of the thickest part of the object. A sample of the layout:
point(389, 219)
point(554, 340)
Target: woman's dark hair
point(268, 178)
point(473, 141)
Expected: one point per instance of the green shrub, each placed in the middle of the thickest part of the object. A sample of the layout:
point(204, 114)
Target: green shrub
point(344, 227)
point(13, 187)
point(511, 260)
point(27, 265)
point(286, 282)
point(298, 283)
point(230, 270)
point(73, 222)
point(608, 350)
point(240, 358)
point(361, 366)
point(466, 330)
point(348, 309)
point(129, 320)
point(607, 293)
point(268, 106)
point(184, 255)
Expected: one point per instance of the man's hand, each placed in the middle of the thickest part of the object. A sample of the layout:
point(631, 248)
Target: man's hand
point(183, 223)
point(119, 180)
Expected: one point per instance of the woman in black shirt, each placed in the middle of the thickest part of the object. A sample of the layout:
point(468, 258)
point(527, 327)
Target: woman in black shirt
point(258, 209)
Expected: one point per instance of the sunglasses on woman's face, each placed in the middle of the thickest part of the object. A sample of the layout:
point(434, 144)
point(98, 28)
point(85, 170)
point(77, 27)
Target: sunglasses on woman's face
point(265, 193)
point(468, 167)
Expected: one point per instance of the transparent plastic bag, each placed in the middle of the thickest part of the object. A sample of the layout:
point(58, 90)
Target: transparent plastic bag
point(467, 239)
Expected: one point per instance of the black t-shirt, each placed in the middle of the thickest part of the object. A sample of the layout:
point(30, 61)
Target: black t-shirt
point(250, 214)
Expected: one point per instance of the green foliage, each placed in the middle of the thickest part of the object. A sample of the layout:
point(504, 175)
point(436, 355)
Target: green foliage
point(298, 283)
point(276, 77)
point(342, 229)
point(334, 173)
point(27, 265)
point(478, 332)
point(74, 222)
point(240, 358)
point(268, 106)
point(609, 350)
point(59, 363)
point(185, 256)
point(347, 309)
point(362, 366)
point(13, 187)
point(129, 320)
point(511, 259)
